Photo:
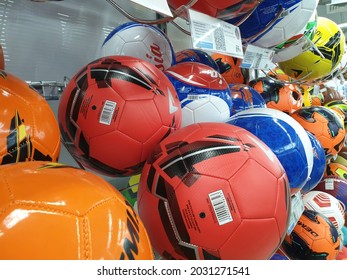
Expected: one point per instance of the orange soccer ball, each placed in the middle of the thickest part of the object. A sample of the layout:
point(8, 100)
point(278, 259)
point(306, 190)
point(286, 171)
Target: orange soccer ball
point(321, 242)
point(230, 69)
point(28, 127)
point(51, 211)
point(325, 124)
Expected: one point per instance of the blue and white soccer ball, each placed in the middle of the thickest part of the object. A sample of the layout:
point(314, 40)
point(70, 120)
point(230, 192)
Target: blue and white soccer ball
point(285, 137)
point(319, 164)
point(143, 41)
point(245, 97)
point(204, 94)
point(275, 21)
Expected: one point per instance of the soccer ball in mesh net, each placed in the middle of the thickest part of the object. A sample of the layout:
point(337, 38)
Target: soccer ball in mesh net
point(114, 111)
point(200, 195)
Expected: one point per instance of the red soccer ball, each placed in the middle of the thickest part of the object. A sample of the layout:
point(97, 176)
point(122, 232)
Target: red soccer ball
point(214, 191)
point(114, 111)
point(225, 9)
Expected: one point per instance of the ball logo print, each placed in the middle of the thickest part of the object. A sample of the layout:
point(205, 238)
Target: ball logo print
point(156, 56)
point(313, 238)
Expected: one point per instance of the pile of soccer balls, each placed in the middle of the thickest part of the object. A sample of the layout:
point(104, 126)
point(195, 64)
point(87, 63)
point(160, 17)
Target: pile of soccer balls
point(213, 158)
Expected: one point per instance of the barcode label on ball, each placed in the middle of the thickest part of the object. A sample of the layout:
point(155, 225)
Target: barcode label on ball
point(220, 207)
point(107, 112)
point(329, 184)
point(220, 39)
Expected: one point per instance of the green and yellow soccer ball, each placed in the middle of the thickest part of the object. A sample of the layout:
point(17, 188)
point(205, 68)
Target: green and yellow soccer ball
point(325, 55)
point(341, 105)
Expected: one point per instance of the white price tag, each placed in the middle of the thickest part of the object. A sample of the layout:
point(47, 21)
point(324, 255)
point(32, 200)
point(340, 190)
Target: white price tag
point(257, 57)
point(214, 35)
point(161, 6)
point(316, 90)
point(297, 208)
point(329, 184)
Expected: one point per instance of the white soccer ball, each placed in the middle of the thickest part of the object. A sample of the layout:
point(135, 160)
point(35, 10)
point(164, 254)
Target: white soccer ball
point(290, 21)
point(326, 204)
point(143, 41)
point(204, 108)
point(298, 43)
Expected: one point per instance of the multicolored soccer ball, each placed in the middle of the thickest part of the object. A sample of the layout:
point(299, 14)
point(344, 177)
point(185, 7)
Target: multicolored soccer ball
point(335, 186)
point(329, 93)
point(285, 137)
point(278, 95)
point(198, 201)
point(28, 127)
point(51, 211)
point(341, 105)
point(203, 92)
point(313, 238)
point(325, 124)
point(327, 205)
point(114, 111)
point(336, 169)
point(143, 41)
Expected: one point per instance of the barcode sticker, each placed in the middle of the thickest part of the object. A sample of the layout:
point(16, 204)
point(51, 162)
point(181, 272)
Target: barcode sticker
point(296, 210)
point(214, 35)
point(220, 207)
point(257, 58)
point(107, 112)
point(219, 39)
point(193, 96)
point(329, 184)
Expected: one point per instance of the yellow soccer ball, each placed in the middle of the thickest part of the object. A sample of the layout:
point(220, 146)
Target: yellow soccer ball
point(319, 61)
